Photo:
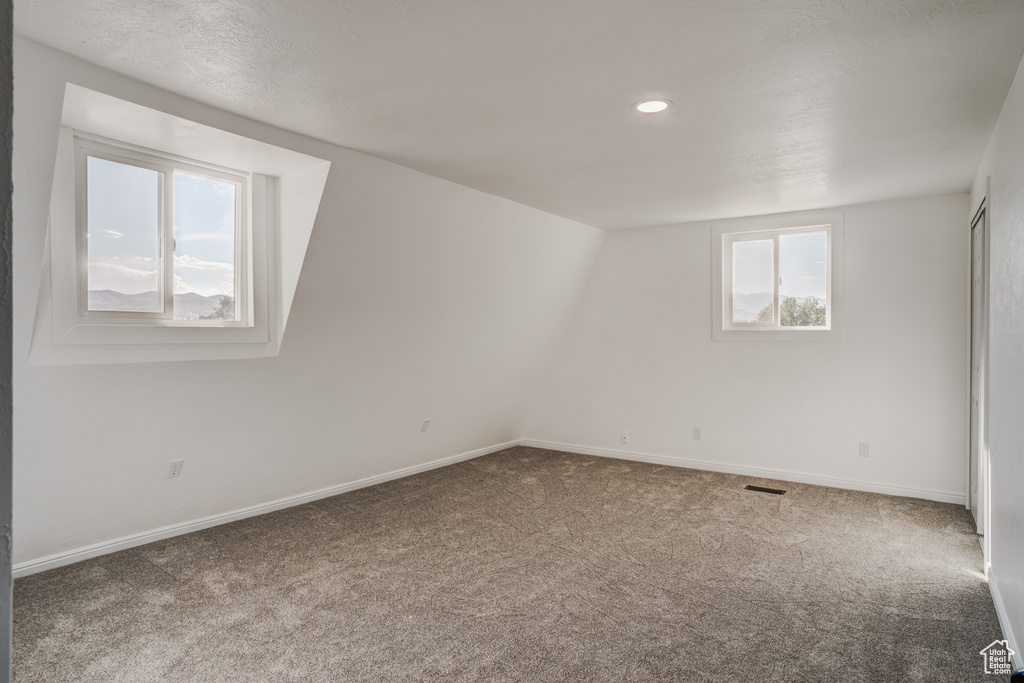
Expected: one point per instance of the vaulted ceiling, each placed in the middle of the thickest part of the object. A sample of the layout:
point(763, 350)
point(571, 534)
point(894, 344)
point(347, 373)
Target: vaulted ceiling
point(778, 104)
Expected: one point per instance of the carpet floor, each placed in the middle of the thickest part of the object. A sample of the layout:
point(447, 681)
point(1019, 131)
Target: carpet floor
point(531, 565)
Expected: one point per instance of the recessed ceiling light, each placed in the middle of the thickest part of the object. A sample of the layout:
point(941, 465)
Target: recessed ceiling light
point(652, 106)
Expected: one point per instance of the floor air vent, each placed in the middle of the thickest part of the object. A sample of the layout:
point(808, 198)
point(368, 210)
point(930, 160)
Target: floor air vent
point(762, 489)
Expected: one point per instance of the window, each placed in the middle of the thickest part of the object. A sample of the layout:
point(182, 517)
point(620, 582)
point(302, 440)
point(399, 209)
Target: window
point(778, 277)
point(168, 239)
point(160, 241)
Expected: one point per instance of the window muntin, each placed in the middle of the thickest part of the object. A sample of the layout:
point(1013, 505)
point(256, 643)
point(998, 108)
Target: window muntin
point(777, 279)
point(161, 240)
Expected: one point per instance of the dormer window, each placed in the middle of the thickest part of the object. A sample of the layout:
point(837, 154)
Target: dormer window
point(160, 240)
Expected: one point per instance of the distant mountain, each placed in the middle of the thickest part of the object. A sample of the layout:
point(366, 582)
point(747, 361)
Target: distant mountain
point(188, 306)
point(109, 300)
point(192, 306)
point(749, 305)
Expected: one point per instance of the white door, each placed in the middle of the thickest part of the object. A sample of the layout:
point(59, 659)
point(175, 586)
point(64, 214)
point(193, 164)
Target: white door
point(979, 475)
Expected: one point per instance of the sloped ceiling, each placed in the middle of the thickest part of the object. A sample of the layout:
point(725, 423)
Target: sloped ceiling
point(779, 105)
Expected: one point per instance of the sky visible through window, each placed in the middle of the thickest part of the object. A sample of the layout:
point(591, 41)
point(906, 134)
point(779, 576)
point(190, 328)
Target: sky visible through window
point(122, 233)
point(752, 276)
point(803, 265)
point(123, 250)
point(803, 269)
point(204, 228)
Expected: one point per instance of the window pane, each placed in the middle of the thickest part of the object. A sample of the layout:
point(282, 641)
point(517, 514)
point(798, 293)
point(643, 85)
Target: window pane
point(122, 234)
point(204, 253)
point(803, 267)
point(752, 281)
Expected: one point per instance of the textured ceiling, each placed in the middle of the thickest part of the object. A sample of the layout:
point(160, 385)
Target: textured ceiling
point(779, 104)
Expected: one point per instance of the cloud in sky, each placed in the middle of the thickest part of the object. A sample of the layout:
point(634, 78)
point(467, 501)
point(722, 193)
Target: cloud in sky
point(137, 275)
point(227, 238)
point(802, 265)
point(124, 247)
point(203, 277)
point(121, 278)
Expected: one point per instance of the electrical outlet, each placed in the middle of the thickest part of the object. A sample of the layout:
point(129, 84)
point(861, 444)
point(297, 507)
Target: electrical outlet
point(624, 438)
point(426, 425)
point(175, 469)
point(865, 449)
point(696, 434)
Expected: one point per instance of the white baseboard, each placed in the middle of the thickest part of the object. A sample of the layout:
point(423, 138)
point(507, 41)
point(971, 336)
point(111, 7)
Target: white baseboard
point(1004, 622)
point(761, 472)
point(133, 540)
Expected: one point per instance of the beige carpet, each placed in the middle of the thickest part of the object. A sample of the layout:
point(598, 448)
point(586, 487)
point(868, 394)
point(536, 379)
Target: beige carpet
point(529, 565)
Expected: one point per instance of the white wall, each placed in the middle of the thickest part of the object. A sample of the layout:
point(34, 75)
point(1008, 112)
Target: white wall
point(418, 299)
point(639, 357)
point(1004, 162)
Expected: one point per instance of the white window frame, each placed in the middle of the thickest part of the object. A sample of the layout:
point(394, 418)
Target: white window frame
point(726, 234)
point(93, 146)
point(99, 328)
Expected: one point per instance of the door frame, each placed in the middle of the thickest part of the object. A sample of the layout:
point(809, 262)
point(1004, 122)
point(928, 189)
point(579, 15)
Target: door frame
point(983, 216)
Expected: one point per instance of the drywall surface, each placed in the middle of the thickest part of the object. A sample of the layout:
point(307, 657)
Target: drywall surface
point(1004, 163)
point(418, 298)
point(639, 357)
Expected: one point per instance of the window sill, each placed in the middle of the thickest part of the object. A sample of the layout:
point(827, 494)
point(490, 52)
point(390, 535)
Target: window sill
point(777, 334)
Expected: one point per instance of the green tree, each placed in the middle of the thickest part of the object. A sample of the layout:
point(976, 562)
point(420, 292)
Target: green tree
point(792, 313)
point(224, 311)
point(810, 313)
point(789, 312)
